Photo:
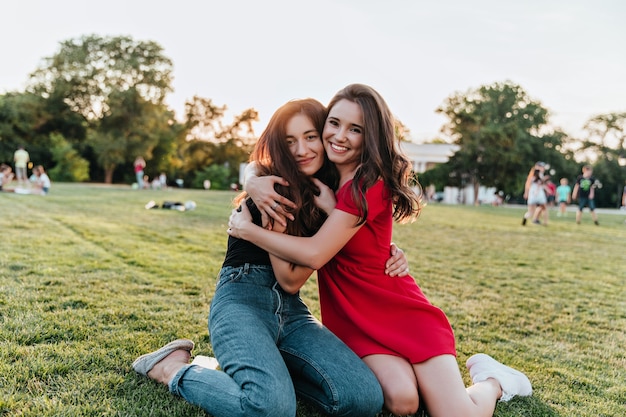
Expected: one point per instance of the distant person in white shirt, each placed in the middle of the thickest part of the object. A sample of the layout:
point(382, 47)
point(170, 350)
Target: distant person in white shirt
point(43, 181)
point(5, 175)
point(21, 159)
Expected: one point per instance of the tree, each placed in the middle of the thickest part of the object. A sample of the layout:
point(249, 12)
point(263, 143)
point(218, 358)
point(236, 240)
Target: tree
point(24, 120)
point(606, 140)
point(207, 140)
point(401, 131)
point(70, 166)
point(611, 177)
point(118, 85)
point(132, 127)
point(498, 129)
point(219, 176)
point(606, 135)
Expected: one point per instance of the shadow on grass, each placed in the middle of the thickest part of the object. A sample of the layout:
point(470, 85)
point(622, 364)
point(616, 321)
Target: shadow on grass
point(525, 407)
point(139, 396)
point(519, 407)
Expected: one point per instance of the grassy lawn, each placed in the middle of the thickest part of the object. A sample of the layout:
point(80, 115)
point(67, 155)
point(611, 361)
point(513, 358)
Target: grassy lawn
point(90, 279)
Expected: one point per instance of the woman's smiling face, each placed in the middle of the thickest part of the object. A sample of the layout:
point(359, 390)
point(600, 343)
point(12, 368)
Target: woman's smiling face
point(343, 134)
point(305, 144)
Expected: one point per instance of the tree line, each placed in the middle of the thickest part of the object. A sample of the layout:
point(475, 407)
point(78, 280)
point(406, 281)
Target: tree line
point(96, 104)
point(501, 132)
point(99, 102)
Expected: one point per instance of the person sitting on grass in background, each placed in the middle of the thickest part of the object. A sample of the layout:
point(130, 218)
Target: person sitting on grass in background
point(389, 323)
point(32, 180)
point(6, 176)
point(268, 344)
point(42, 183)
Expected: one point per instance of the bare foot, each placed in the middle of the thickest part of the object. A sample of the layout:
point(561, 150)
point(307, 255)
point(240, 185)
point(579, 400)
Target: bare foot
point(165, 370)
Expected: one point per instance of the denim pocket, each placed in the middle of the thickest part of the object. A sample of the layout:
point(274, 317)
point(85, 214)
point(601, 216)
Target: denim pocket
point(229, 274)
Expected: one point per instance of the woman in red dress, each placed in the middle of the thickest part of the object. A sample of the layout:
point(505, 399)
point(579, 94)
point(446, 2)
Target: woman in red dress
point(403, 338)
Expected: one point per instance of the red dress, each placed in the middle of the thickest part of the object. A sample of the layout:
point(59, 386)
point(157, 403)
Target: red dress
point(371, 312)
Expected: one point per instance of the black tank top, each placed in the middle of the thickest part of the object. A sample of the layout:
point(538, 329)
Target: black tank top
point(241, 251)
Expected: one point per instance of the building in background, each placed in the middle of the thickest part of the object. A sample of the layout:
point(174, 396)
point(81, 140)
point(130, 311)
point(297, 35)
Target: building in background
point(425, 156)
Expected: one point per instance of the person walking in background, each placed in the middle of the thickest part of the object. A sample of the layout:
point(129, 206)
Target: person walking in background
point(624, 199)
point(265, 339)
point(21, 158)
point(564, 196)
point(542, 210)
point(535, 173)
point(550, 188)
point(139, 165)
point(406, 341)
point(537, 198)
point(585, 190)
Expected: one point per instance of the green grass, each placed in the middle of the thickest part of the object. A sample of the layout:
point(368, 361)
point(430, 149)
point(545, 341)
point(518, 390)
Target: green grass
point(89, 280)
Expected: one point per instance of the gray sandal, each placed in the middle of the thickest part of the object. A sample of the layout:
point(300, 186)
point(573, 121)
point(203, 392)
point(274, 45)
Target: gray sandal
point(145, 363)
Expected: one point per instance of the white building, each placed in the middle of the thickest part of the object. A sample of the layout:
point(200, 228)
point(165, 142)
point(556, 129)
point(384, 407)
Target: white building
point(425, 156)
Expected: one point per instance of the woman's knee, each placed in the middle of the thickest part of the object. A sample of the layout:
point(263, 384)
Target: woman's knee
point(401, 398)
point(402, 401)
point(398, 381)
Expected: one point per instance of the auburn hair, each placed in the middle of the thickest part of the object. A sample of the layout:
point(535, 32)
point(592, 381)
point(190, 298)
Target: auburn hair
point(381, 157)
point(272, 156)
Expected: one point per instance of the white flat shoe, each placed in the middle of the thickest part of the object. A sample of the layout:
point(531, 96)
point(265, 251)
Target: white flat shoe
point(208, 362)
point(513, 382)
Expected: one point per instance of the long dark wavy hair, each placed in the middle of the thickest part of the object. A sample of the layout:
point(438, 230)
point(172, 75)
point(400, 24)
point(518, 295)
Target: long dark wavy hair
point(273, 157)
point(381, 157)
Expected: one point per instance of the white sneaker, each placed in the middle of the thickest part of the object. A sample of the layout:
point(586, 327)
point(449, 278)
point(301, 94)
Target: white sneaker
point(512, 382)
point(208, 362)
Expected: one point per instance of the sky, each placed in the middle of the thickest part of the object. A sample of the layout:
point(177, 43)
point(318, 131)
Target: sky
point(569, 55)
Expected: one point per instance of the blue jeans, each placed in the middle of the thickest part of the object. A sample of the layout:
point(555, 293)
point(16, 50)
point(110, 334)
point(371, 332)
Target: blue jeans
point(271, 348)
point(139, 175)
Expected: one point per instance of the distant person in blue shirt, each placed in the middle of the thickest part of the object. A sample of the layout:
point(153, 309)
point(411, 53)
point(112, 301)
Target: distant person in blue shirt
point(563, 194)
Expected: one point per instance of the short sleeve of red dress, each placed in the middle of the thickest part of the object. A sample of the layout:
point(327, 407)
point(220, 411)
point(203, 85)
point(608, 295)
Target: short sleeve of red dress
point(370, 311)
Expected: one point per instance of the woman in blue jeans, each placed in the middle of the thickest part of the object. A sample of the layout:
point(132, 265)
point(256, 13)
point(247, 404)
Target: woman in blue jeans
point(269, 345)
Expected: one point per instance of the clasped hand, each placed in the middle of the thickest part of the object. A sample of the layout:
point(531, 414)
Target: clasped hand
point(238, 220)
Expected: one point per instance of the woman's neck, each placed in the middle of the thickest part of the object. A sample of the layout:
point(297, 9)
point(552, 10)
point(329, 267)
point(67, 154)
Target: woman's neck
point(346, 173)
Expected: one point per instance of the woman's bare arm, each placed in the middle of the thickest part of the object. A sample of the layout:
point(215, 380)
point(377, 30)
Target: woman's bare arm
point(314, 251)
point(290, 280)
point(290, 277)
point(265, 197)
